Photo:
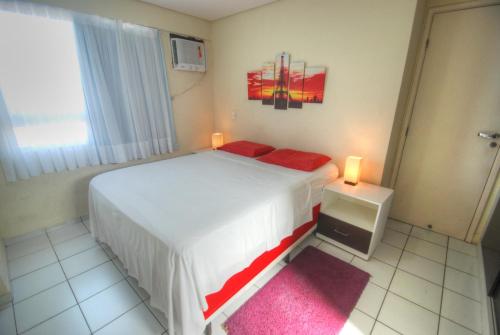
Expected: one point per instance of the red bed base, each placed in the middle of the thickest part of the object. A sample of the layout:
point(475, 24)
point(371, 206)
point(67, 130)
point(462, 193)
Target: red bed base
point(239, 280)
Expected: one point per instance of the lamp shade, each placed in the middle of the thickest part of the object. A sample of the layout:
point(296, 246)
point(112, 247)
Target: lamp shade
point(352, 170)
point(217, 140)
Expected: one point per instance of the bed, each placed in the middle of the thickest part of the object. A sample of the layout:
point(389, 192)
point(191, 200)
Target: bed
point(186, 227)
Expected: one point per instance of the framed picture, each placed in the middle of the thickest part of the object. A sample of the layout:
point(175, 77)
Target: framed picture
point(281, 69)
point(254, 82)
point(314, 84)
point(296, 84)
point(268, 84)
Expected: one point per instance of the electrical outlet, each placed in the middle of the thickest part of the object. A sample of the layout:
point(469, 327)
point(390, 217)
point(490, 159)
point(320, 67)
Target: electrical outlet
point(234, 114)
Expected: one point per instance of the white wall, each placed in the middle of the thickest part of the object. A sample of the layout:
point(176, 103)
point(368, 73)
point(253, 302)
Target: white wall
point(364, 45)
point(53, 198)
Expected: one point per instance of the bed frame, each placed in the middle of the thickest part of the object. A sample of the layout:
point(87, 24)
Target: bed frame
point(284, 255)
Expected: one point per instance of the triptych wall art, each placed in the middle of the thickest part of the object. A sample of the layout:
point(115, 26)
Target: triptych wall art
point(286, 84)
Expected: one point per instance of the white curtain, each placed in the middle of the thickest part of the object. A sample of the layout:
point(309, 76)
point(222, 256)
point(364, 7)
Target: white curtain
point(43, 123)
point(126, 91)
point(119, 109)
point(25, 162)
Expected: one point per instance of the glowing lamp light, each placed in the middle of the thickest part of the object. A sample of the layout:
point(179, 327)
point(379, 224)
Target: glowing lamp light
point(217, 140)
point(352, 170)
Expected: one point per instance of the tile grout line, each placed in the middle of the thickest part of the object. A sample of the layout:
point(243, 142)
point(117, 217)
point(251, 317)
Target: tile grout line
point(375, 321)
point(51, 244)
point(42, 231)
point(71, 288)
point(413, 302)
point(458, 324)
point(426, 258)
point(447, 244)
point(408, 272)
point(119, 316)
point(431, 282)
point(45, 248)
point(444, 280)
point(154, 316)
point(390, 283)
point(133, 289)
point(157, 319)
point(421, 239)
point(28, 254)
point(28, 273)
point(89, 269)
point(463, 253)
point(462, 271)
point(100, 291)
point(52, 317)
point(23, 237)
point(59, 283)
point(79, 252)
point(381, 260)
point(442, 287)
point(462, 295)
point(446, 265)
point(77, 304)
point(394, 330)
point(413, 225)
point(143, 300)
point(423, 307)
point(14, 315)
point(138, 287)
point(45, 289)
point(58, 261)
point(471, 300)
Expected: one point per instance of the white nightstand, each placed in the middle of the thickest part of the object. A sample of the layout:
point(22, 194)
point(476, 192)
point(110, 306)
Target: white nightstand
point(354, 217)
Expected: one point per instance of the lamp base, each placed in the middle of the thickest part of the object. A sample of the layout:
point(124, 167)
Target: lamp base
point(350, 183)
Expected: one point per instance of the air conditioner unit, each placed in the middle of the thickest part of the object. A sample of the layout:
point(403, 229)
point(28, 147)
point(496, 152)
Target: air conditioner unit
point(188, 53)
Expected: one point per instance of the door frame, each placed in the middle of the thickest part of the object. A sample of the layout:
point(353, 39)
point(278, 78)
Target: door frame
point(408, 111)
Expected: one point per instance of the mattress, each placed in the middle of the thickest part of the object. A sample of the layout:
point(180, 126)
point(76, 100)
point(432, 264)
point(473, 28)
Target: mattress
point(183, 226)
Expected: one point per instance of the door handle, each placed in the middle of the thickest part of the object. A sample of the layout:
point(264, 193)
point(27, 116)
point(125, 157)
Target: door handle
point(340, 232)
point(488, 135)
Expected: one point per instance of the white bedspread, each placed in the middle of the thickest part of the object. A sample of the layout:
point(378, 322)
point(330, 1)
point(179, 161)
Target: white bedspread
point(184, 226)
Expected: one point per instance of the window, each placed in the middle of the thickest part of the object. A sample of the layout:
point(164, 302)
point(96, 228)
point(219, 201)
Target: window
point(49, 57)
point(40, 81)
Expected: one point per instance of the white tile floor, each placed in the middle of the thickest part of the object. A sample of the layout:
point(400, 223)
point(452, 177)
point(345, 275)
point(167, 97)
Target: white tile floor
point(63, 282)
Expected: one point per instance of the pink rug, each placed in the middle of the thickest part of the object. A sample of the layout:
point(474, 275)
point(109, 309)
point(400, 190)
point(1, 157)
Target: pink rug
point(314, 294)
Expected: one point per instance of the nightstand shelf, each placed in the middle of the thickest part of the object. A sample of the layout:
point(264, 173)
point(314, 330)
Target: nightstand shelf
point(353, 217)
point(353, 212)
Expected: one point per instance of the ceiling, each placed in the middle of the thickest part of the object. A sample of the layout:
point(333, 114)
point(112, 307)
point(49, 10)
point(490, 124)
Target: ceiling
point(209, 9)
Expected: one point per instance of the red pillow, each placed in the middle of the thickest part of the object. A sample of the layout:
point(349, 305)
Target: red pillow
point(294, 159)
point(247, 148)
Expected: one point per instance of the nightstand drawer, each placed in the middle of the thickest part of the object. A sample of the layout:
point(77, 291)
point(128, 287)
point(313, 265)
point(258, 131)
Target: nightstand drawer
point(344, 233)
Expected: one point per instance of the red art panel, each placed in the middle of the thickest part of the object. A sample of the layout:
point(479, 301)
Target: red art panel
point(296, 84)
point(254, 79)
point(314, 84)
point(281, 81)
point(268, 84)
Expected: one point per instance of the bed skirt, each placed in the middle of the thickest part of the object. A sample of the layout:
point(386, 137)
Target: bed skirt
point(234, 284)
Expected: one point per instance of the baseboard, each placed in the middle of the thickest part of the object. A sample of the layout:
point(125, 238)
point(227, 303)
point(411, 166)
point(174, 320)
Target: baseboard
point(5, 290)
point(489, 323)
point(5, 299)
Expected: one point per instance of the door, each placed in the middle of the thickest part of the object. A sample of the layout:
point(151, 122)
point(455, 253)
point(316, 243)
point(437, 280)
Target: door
point(445, 164)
